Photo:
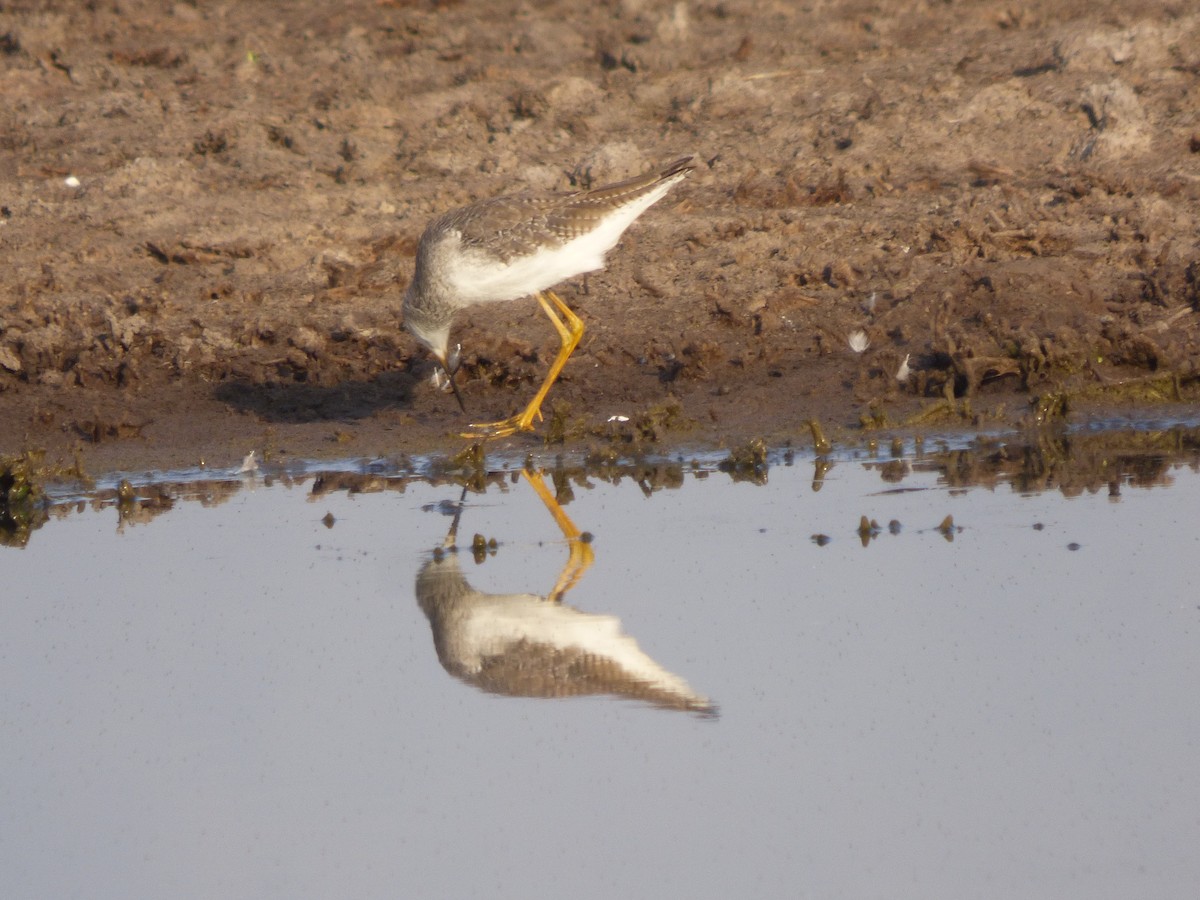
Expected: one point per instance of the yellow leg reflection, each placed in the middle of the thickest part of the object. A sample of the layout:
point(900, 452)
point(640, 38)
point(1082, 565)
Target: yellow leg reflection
point(581, 557)
point(570, 330)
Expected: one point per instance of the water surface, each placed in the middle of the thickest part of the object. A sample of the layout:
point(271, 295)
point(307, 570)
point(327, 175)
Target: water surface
point(238, 685)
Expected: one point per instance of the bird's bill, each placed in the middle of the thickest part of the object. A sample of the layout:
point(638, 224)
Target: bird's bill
point(457, 395)
point(450, 367)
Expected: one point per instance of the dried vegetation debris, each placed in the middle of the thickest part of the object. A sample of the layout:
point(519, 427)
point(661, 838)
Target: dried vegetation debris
point(22, 499)
point(1110, 462)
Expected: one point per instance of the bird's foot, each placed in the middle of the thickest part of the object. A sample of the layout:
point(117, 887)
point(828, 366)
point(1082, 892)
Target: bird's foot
point(500, 429)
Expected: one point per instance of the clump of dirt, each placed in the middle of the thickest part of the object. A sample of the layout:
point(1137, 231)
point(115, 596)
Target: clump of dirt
point(747, 463)
point(210, 211)
point(22, 506)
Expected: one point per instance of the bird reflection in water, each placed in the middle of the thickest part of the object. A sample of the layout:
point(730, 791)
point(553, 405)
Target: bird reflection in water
point(530, 645)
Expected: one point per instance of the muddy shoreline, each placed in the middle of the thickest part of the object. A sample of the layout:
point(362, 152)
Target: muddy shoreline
point(209, 215)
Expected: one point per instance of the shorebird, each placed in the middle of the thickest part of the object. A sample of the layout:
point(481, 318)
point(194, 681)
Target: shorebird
point(532, 645)
point(512, 247)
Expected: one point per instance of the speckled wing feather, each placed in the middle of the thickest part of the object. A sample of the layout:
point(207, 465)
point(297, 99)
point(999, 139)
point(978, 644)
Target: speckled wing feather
point(531, 669)
point(509, 227)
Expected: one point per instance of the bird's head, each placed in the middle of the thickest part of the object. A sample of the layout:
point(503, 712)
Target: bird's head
point(434, 335)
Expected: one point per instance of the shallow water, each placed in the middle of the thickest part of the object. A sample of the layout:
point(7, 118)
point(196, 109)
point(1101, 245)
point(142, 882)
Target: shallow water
point(241, 696)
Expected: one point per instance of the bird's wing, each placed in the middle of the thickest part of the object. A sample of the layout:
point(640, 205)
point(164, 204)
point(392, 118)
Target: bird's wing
point(514, 226)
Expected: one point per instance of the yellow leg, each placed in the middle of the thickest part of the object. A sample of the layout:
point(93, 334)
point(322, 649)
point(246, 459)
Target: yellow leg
point(570, 330)
point(581, 556)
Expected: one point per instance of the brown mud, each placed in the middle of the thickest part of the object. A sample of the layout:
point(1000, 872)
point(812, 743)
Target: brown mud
point(208, 213)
